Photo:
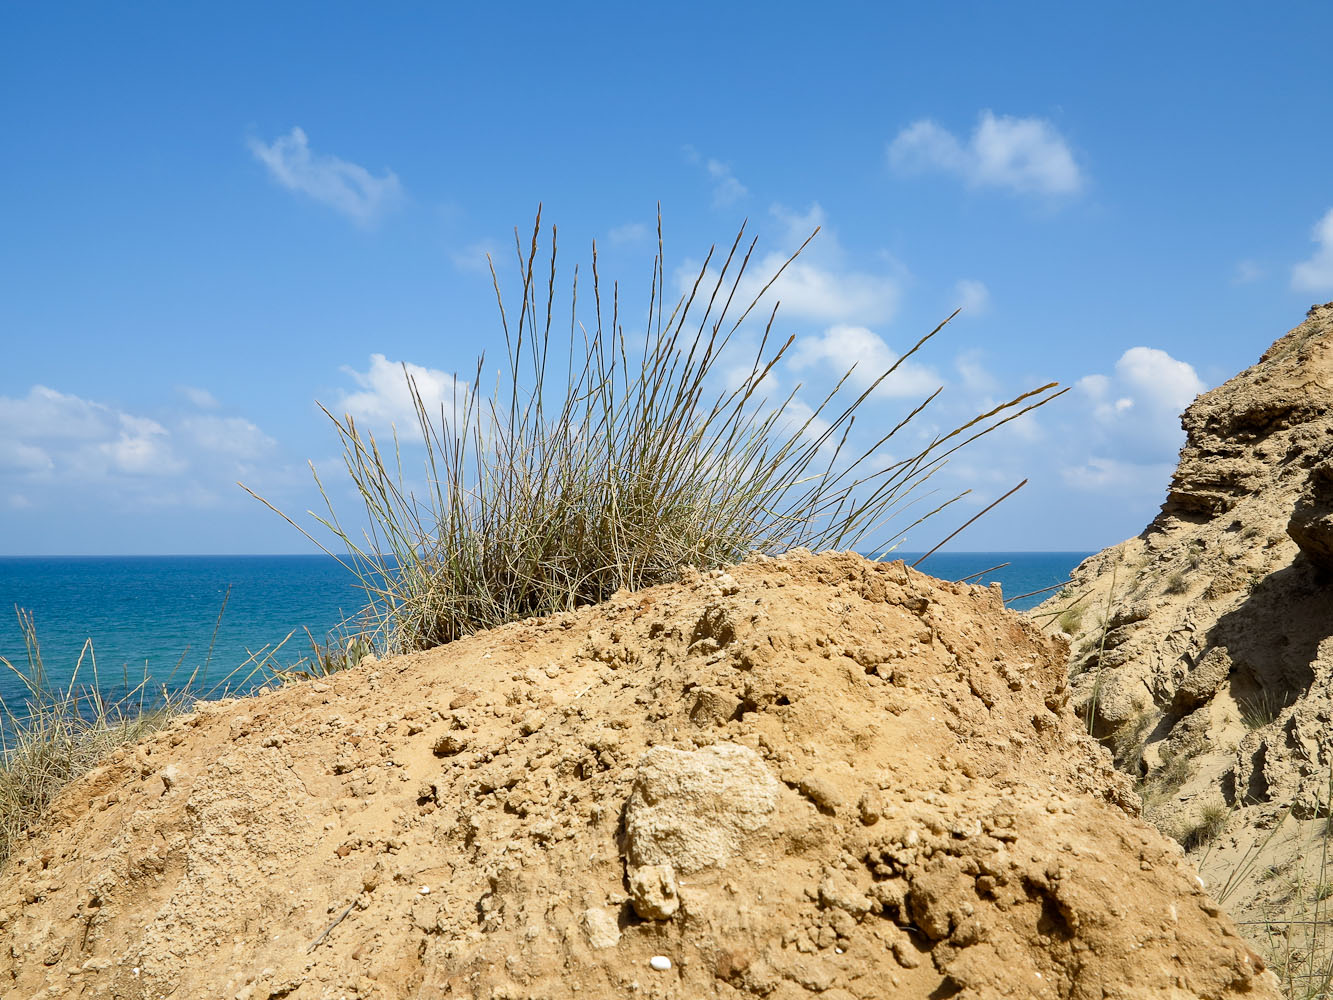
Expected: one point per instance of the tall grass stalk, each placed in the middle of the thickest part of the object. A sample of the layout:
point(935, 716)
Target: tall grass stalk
point(606, 460)
point(1101, 653)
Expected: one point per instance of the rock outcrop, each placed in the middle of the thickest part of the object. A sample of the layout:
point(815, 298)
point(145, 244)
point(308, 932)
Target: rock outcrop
point(1202, 650)
point(814, 775)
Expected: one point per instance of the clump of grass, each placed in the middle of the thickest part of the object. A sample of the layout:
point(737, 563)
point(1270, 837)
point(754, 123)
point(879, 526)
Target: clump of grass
point(608, 462)
point(63, 733)
point(1298, 945)
point(329, 657)
point(1207, 828)
point(1070, 619)
point(1177, 583)
point(1260, 708)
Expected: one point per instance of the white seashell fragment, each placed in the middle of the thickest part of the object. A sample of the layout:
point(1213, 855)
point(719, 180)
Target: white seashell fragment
point(424, 890)
point(660, 962)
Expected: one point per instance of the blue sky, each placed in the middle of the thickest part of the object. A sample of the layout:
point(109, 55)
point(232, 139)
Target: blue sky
point(215, 217)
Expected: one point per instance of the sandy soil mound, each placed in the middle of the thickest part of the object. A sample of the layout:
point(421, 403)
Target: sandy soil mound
point(1205, 647)
point(812, 775)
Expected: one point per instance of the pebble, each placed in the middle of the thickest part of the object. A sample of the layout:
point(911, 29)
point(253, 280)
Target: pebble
point(424, 890)
point(660, 962)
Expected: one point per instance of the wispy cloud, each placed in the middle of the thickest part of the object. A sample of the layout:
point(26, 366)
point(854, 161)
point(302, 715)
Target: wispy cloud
point(727, 189)
point(1316, 274)
point(473, 256)
point(1020, 155)
point(347, 187)
point(973, 297)
point(630, 232)
point(1247, 271)
point(233, 436)
point(201, 398)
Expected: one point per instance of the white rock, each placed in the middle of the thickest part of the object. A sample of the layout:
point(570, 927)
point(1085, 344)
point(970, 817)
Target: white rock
point(660, 962)
point(692, 809)
point(601, 928)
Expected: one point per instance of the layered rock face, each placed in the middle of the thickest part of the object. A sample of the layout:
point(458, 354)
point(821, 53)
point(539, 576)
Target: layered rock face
point(814, 775)
point(1202, 651)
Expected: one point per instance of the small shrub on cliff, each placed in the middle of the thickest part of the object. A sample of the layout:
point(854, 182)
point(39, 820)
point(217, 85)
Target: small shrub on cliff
point(1207, 828)
point(606, 463)
point(1177, 583)
point(1070, 619)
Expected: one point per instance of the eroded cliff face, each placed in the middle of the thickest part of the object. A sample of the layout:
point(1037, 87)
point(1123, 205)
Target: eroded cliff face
point(808, 775)
point(1202, 651)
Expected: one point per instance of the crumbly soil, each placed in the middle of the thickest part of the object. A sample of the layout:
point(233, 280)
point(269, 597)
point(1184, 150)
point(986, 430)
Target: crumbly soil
point(812, 775)
point(1202, 650)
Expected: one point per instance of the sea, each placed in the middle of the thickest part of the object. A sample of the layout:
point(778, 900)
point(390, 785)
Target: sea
point(141, 622)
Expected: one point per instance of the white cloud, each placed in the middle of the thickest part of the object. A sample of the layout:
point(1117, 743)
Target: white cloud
point(1316, 274)
point(1132, 417)
point(385, 398)
point(973, 297)
point(141, 448)
point(55, 445)
point(817, 286)
point(727, 189)
point(347, 187)
point(55, 434)
point(1159, 379)
point(797, 227)
point(18, 501)
point(976, 378)
point(840, 347)
point(1247, 271)
point(201, 398)
point(630, 232)
point(810, 290)
point(45, 414)
point(232, 436)
point(813, 292)
point(20, 457)
point(473, 256)
point(1021, 155)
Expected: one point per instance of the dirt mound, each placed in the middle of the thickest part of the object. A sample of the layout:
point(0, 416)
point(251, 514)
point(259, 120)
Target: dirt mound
point(1204, 655)
point(810, 775)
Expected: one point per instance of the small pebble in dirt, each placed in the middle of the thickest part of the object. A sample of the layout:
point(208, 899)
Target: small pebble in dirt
point(424, 890)
point(660, 962)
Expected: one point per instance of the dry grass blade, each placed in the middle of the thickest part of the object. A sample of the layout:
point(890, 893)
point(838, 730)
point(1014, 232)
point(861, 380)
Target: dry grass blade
point(542, 497)
point(61, 734)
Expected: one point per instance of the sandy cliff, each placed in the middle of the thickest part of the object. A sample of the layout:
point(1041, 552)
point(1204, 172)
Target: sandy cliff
point(1203, 654)
point(814, 775)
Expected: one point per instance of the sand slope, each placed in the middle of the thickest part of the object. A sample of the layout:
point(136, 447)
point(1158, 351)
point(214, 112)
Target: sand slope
point(811, 775)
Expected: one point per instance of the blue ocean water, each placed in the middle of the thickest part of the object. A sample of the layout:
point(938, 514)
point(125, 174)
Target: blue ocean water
point(1025, 573)
point(156, 615)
